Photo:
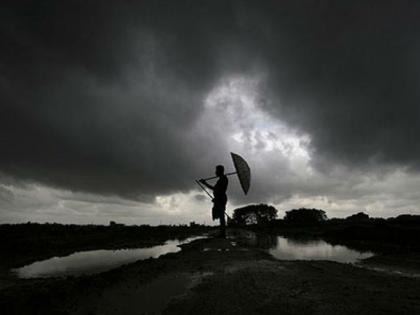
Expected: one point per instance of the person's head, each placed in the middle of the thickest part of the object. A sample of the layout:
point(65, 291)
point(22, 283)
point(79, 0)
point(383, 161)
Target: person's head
point(220, 170)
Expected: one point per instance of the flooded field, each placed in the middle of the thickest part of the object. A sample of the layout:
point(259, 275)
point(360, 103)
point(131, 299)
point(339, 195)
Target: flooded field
point(97, 261)
point(246, 273)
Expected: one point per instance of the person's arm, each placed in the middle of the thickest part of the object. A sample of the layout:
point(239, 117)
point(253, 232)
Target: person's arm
point(203, 181)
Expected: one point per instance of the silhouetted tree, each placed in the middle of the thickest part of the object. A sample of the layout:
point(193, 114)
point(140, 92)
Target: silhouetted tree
point(254, 214)
point(305, 216)
point(358, 217)
point(407, 219)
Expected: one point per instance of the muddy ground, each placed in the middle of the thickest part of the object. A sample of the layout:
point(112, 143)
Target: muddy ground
point(217, 276)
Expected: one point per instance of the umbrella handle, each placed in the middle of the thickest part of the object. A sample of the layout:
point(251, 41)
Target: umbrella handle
point(202, 187)
point(227, 174)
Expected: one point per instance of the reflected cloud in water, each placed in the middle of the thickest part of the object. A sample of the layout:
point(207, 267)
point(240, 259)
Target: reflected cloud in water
point(96, 261)
point(289, 249)
point(300, 249)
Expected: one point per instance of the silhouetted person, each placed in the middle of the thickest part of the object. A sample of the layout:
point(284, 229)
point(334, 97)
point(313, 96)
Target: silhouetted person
point(220, 197)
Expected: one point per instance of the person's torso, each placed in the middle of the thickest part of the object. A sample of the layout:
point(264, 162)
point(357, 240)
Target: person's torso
point(220, 188)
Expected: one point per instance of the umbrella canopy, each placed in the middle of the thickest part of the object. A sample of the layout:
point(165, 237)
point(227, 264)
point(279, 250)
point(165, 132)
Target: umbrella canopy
point(243, 171)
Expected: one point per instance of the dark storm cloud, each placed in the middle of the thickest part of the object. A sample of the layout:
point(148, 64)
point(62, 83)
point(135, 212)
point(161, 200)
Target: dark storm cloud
point(102, 96)
point(72, 110)
point(348, 74)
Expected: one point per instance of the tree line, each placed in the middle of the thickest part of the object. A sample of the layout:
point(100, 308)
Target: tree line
point(261, 214)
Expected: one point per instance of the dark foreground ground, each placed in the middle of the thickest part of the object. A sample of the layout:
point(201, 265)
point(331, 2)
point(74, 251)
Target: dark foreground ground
point(217, 276)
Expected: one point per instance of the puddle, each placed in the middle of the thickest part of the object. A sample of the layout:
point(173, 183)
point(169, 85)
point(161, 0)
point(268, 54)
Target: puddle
point(293, 249)
point(391, 271)
point(96, 261)
point(315, 250)
point(215, 249)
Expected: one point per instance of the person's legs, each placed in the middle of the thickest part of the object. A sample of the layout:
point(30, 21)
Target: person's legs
point(222, 225)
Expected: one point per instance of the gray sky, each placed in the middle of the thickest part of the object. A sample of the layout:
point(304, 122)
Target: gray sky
point(109, 111)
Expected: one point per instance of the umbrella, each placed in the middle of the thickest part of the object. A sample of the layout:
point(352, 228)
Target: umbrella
point(242, 170)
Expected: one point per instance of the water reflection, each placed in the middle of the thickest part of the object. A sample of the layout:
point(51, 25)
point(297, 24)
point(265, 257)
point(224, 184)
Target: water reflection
point(96, 261)
point(315, 250)
point(302, 249)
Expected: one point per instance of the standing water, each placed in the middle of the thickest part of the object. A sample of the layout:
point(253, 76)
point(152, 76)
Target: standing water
point(297, 249)
point(96, 261)
point(315, 250)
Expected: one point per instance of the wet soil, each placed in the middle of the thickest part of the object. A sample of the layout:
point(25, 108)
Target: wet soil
point(404, 264)
point(220, 276)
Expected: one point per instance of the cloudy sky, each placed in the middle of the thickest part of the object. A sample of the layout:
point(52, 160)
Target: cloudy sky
point(109, 110)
